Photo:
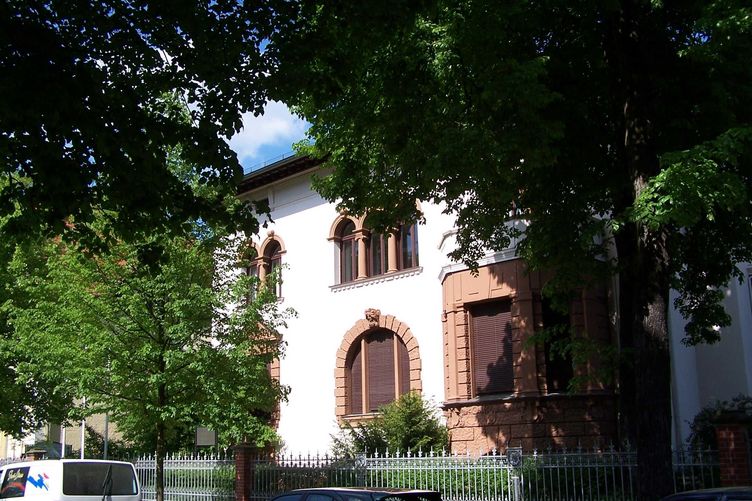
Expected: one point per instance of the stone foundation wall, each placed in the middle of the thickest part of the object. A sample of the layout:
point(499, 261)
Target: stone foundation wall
point(531, 422)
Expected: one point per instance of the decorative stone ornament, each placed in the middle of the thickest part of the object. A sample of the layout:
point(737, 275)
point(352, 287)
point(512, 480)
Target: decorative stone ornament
point(373, 315)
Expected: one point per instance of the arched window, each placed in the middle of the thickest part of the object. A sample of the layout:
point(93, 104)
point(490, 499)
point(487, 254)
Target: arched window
point(378, 371)
point(408, 247)
point(348, 252)
point(273, 258)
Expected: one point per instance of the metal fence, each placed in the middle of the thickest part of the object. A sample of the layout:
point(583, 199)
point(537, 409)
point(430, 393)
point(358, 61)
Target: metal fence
point(189, 477)
point(561, 475)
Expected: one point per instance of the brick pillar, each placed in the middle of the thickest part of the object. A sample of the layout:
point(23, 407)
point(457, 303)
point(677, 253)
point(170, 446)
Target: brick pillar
point(734, 449)
point(245, 454)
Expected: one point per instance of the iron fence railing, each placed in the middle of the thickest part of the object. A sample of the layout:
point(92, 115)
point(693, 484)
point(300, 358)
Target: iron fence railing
point(189, 477)
point(551, 475)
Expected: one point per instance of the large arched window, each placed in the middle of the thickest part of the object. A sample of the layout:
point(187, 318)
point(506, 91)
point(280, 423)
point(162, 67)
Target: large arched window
point(378, 371)
point(348, 252)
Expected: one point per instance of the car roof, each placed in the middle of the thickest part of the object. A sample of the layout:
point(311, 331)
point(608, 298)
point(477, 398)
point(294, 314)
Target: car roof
point(377, 491)
point(699, 493)
point(388, 490)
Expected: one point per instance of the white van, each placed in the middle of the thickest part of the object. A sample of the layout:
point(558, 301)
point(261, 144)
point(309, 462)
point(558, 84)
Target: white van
point(70, 480)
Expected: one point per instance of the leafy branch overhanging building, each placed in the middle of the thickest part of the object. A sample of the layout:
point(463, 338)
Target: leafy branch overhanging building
point(383, 314)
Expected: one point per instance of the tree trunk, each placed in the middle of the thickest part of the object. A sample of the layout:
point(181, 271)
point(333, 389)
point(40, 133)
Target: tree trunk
point(646, 383)
point(638, 52)
point(160, 453)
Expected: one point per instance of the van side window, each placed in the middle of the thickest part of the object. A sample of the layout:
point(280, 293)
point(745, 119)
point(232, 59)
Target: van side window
point(88, 479)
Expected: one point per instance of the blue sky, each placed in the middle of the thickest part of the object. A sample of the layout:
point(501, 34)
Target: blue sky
point(267, 137)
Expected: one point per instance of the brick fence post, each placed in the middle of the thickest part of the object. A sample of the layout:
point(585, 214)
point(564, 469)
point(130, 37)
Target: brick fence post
point(731, 430)
point(245, 454)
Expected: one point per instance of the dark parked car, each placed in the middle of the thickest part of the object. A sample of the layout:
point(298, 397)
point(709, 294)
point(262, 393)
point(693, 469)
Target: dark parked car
point(358, 494)
point(718, 494)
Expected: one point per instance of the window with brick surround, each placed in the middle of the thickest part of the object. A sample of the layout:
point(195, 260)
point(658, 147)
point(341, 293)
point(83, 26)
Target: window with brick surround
point(559, 368)
point(377, 371)
point(491, 334)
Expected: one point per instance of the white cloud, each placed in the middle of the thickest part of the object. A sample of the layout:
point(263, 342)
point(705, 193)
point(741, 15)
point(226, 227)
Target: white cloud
point(267, 135)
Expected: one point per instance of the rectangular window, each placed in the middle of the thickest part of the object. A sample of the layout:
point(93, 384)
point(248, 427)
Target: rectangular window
point(559, 371)
point(380, 348)
point(492, 348)
point(378, 253)
point(408, 242)
point(89, 479)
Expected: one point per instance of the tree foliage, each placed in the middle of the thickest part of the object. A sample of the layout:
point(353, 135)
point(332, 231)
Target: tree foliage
point(88, 111)
point(161, 334)
point(410, 423)
point(617, 128)
point(30, 398)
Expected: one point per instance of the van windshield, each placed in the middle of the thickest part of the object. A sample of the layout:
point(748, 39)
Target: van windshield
point(87, 479)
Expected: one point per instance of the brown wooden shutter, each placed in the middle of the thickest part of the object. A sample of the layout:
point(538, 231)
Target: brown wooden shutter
point(380, 369)
point(492, 348)
point(404, 367)
point(356, 382)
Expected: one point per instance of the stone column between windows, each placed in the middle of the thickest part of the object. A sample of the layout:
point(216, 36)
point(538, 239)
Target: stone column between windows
point(263, 266)
point(362, 263)
point(525, 370)
point(391, 253)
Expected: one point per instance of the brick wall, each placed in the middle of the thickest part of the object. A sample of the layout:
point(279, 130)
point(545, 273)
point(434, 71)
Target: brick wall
point(532, 422)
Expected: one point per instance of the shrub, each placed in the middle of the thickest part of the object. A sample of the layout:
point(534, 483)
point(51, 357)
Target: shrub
point(408, 423)
point(702, 426)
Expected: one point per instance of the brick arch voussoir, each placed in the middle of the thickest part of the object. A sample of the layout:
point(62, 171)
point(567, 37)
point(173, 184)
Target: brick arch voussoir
point(362, 327)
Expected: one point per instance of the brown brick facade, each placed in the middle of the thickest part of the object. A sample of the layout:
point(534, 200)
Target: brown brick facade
point(530, 416)
point(531, 422)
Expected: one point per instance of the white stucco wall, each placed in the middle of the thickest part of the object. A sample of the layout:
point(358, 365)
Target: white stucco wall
point(706, 373)
point(302, 220)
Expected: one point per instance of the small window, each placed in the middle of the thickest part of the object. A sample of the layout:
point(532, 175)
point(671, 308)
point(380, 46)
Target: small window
point(378, 253)
point(492, 348)
point(408, 247)
point(348, 253)
point(273, 255)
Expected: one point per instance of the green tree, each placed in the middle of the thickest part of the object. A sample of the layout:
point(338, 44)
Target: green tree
point(407, 424)
point(161, 334)
point(30, 398)
point(603, 125)
point(84, 117)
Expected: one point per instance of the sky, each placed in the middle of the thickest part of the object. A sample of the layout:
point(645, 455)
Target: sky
point(269, 137)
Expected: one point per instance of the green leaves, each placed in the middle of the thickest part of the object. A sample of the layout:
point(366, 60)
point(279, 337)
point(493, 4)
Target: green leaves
point(698, 184)
point(158, 334)
point(410, 423)
point(89, 111)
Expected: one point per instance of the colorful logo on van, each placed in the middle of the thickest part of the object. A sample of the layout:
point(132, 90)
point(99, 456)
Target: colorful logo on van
point(39, 481)
point(14, 483)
